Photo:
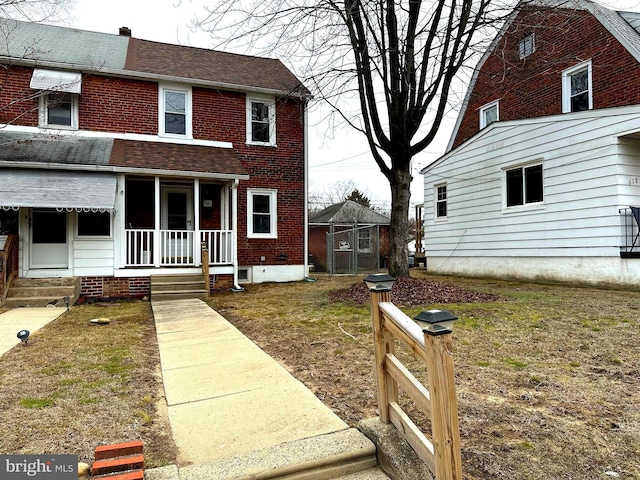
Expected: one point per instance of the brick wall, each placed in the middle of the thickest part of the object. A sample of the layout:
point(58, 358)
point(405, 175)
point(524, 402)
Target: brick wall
point(532, 87)
point(112, 287)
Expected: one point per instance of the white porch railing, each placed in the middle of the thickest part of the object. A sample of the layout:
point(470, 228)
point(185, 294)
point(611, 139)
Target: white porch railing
point(160, 248)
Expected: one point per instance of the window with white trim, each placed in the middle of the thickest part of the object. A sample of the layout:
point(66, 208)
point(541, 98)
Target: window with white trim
point(489, 113)
point(261, 121)
point(175, 111)
point(577, 88)
point(441, 201)
point(527, 46)
point(524, 185)
point(58, 110)
point(262, 214)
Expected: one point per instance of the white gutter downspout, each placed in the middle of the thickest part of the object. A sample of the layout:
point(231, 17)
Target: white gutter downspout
point(234, 229)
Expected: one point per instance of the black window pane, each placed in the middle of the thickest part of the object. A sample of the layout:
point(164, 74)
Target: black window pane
point(442, 209)
point(174, 123)
point(260, 204)
point(580, 103)
point(514, 187)
point(94, 224)
point(261, 224)
point(533, 184)
point(59, 109)
point(259, 132)
point(49, 226)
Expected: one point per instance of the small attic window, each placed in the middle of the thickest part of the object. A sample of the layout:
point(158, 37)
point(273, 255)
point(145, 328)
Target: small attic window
point(527, 46)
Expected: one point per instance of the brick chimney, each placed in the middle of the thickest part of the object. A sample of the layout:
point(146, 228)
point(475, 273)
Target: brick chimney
point(125, 31)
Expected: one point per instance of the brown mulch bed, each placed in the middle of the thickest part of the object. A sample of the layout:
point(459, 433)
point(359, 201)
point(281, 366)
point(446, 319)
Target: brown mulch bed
point(410, 292)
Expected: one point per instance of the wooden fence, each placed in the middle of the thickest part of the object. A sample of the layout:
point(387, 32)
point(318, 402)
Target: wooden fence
point(8, 264)
point(441, 454)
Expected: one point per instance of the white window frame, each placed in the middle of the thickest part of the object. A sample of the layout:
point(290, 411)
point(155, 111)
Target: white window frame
point(527, 46)
point(43, 111)
point(566, 84)
point(437, 201)
point(524, 204)
point(271, 104)
point(486, 108)
point(273, 212)
point(161, 110)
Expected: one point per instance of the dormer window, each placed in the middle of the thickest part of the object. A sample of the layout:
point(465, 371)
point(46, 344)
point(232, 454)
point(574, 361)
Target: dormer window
point(261, 121)
point(527, 46)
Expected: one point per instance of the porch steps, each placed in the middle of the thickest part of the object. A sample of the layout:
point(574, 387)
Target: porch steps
point(40, 292)
point(171, 287)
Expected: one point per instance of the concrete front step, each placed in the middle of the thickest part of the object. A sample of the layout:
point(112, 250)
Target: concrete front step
point(169, 287)
point(40, 292)
point(338, 455)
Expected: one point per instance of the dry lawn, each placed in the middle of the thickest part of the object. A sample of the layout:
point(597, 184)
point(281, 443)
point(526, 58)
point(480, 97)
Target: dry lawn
point(548, 377)
point(77, 386)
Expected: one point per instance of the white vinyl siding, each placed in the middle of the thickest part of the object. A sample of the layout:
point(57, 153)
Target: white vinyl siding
point(93, 257)
point(582, 182)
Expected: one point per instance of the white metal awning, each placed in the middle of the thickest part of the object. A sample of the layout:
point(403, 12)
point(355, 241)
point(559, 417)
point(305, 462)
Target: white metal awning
point(88, 192)
point(56, 81)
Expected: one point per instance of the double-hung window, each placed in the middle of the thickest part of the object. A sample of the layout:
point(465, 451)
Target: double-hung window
point(364, 240)
point(577, 88)
point(262, 214)
point(59, 110)
point(524, 185)
point(441, 201)
point(489, 113)
point(261, 121)
point(175, 111)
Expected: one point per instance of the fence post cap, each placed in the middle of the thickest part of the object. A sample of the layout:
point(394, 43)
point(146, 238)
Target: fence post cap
point(435, 322)
point(379, 282)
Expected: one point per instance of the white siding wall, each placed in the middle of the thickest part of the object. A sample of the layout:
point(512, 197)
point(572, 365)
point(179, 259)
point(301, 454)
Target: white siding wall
point(92, 257)
point(586, 171)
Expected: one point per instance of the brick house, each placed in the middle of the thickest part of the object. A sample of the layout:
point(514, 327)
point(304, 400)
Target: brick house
point(120, 158)
point(543, 165)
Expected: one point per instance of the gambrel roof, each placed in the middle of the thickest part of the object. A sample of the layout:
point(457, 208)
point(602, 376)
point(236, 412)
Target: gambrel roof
point(51, 46)
point(623, 26)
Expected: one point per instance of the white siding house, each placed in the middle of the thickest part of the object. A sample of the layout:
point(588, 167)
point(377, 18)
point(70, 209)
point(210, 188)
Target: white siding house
point(542, 199)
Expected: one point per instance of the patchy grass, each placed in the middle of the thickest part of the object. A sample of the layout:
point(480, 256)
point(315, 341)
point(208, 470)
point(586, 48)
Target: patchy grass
point(548, 377)
point(77, 386)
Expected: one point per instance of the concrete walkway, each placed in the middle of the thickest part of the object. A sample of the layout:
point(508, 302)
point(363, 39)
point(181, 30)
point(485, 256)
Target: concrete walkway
point(31, 318)
point(235, 411)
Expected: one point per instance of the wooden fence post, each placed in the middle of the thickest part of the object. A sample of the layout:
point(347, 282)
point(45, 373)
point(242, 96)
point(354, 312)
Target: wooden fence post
point(382, 343)
point(205, 267)
point(444, 411)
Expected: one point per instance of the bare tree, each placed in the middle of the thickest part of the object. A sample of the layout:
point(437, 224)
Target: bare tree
point(34, 10)
point(397, 59)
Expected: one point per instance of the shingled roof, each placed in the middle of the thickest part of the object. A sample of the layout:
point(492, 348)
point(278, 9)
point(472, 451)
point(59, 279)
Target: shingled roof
point(348, 212)
point(72, 49)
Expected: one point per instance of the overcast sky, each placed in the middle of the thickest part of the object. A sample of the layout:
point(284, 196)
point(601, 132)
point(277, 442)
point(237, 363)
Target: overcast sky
point(343, 155)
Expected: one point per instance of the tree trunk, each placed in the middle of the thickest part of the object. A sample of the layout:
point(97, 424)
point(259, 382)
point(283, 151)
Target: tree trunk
point(400, 183)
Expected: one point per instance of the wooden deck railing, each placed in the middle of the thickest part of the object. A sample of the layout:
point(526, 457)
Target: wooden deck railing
point(8, 264)
point(442, 455)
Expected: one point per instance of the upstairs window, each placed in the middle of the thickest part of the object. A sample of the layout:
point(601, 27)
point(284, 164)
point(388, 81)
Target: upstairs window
point(59, 110)
point(175, 112)
point(261, 121)
point(489, 114)
point(577, 88)
point(527, 46)
point(441, 201)
point(261, 218)
point(524, 185)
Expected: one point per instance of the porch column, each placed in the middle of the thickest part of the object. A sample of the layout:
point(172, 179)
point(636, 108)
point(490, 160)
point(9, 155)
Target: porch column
point(234, 230)
point(156, 235)
point(197, 248)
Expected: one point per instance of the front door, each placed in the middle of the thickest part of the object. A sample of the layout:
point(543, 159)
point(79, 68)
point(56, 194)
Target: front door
point(177, 224)
point(49, 247)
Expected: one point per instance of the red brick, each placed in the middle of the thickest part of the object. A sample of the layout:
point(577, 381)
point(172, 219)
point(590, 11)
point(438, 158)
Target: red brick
point(118, 450)
point(120, 464)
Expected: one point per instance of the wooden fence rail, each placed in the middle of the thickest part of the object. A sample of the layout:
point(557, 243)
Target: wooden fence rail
point(442, 453)
point(8, 264)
